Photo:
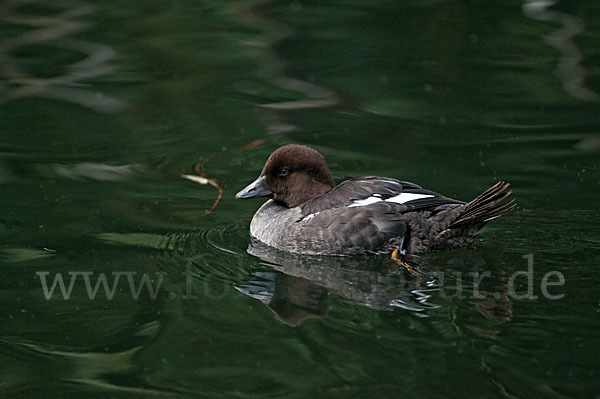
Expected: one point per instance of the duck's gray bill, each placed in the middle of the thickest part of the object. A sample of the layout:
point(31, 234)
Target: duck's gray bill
point(255, 189)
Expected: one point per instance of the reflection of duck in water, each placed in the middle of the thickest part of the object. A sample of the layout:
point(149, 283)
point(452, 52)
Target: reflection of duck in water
point(292, 299)
point(297, 287)
point(300, 285)
point(308, 214)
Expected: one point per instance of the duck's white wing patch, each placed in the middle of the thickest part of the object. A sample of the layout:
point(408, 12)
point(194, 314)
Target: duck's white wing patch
point(398, 199)
point(308, 217)
point(366, 201)
point(407, 197)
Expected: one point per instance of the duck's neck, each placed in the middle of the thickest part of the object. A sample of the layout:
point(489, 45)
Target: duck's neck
point(304, 188)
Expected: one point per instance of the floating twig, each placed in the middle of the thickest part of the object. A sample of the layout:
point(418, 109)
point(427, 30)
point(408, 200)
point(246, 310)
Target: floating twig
point(201, 178)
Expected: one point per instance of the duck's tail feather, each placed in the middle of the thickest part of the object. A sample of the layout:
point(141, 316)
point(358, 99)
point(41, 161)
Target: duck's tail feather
point(489, 205)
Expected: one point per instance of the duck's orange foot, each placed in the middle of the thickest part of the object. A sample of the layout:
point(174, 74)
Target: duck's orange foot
point(397, 257)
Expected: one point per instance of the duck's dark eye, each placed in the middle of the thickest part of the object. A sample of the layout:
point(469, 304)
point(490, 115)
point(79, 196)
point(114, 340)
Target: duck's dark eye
point(283, 172)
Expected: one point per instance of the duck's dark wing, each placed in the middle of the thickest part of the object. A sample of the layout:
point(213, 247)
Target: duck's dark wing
point(363, 191)
point(355, 230)
point(367, 214)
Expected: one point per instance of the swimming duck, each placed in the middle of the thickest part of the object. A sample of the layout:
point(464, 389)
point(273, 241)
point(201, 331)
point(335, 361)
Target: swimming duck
point(308, 214)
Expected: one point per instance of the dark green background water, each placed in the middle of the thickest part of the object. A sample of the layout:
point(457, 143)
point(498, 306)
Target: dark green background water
point(103, 105)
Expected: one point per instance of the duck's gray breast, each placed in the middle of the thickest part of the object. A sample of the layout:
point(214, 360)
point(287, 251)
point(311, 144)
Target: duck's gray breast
point(274, 225)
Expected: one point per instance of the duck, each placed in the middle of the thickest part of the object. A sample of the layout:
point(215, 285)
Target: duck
point(307, 213)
